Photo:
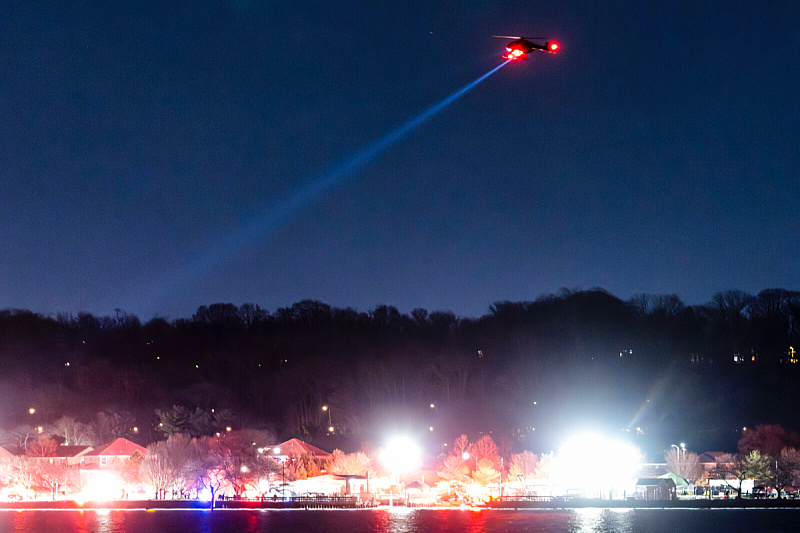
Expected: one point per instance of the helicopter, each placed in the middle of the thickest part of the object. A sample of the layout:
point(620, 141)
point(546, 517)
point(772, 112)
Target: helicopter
point(520, 47)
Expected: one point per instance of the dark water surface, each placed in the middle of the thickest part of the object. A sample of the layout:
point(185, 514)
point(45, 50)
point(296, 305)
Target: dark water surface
point(403, 521)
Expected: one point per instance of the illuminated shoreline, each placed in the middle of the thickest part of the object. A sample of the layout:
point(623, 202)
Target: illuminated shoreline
point(192, 505)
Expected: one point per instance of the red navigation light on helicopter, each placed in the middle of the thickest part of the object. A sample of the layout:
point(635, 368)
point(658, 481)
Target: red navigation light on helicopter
point(520, 47)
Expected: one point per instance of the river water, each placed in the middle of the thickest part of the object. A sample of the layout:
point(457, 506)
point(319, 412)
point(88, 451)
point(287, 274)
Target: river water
point(403, 521)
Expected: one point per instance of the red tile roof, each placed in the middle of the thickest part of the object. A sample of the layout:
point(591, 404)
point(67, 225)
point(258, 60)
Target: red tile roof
point(296, 448)
point(118, 448)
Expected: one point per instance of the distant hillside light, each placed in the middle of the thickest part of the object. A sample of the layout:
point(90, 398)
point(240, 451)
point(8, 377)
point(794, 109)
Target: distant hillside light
point(31, 410)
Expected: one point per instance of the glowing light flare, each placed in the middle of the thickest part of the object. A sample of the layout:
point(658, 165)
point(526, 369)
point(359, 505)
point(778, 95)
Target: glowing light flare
point(593, 463)
point(552, 46)
point(401, 455)
point(517, 53)
point(478, 493)
point(103, 486)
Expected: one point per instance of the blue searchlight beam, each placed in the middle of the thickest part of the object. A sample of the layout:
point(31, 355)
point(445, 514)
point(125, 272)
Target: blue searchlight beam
point(272, 216)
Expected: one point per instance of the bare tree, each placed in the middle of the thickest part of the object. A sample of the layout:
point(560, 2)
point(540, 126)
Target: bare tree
point(685, 464)
point(43, 446)
point(739, 468)
point(74, 433)
point(166, 465)
point(54, 476)
point(786, 471)
point(461, 445)
point(19, 437)
point(18, 470)
point(523, 465)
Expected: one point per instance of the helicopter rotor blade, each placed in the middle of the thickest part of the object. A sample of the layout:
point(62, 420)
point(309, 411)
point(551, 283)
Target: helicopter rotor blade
point(517, 37)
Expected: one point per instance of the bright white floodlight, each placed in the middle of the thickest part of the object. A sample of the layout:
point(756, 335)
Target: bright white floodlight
point(594, 463)
point(401, 455)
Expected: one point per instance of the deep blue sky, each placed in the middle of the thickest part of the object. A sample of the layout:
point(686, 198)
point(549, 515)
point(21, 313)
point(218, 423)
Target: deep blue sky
point(657, 153)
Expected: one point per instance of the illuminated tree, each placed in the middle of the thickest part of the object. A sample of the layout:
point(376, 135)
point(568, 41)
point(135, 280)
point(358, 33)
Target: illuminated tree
point(43, 446)
point(131, 470)
point(453, 469)
point(523, 465)
point(461, 445)
point(310, 465)
point(739, 468)
point(341, 463)
point(207, 468)
point(225, 461)
point(787, 470)
point(157, 469)
point(53, 476)
point(18, 470)
point(485, 473)
point(685, 464)
point(167, 465)
point(486, 449)
point(74, 433)
point(19, 437)
point(767, 439)
point(544, 469)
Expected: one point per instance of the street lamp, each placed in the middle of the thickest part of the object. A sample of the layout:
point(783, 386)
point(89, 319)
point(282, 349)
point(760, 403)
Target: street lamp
point(276, 451)
point(325, 408)
point(466, 456)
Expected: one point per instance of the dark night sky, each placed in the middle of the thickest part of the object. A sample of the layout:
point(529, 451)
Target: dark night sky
point(148, 152)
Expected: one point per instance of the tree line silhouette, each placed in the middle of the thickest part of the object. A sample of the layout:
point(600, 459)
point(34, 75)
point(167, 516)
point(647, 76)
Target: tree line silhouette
point(524, 372)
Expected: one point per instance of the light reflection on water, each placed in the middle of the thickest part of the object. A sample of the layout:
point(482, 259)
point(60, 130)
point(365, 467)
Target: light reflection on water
point(601, 521)
point(401, 520)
